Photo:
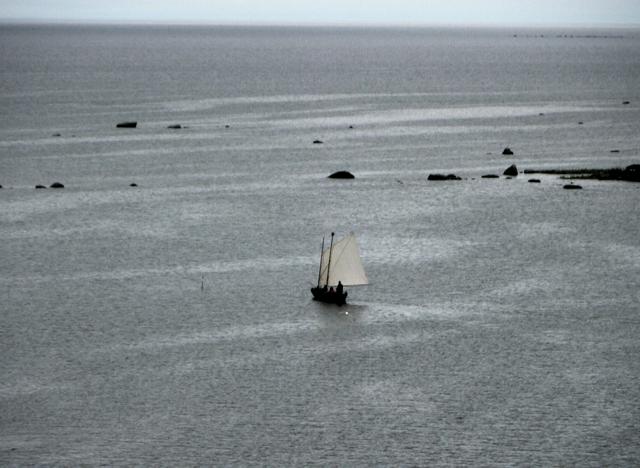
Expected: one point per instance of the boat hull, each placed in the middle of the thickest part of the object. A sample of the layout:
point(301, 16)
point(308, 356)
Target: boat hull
point(329, 297)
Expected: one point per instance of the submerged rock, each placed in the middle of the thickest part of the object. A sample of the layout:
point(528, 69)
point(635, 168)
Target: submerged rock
point(534, 181)
point(572, 187)
point(626, 102)
point(490, 176)
point(511, 171)
point(443, 177)
point(175, 127)
point(127, 125)
point(56, 185)
point(133, 184)
point(507, 152)
point(40, 186)
point(317, 142)
point(342, 175)
point(57, 135)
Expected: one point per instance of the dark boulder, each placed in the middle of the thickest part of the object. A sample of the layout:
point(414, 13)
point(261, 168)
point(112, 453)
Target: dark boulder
point(614, 151)
point(40, 186)
point(317, 142)
point(175, 127)
point(56, 185)
point(632, 173)
point(534, 181)
point(133, 184)
point(507, 152)
point(342, 175)
point(626, 102)
point(443, 177)
point(511, 171)
point(491, 176)
point(572, 187)
point(127, 125)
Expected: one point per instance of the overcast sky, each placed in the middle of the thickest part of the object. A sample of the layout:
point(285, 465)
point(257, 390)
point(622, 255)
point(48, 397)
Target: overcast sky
point(329, 11)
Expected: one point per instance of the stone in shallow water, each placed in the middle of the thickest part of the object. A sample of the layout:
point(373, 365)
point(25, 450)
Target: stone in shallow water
point(342, 175)
point(127, 125)
point(443, 177)
point(511, 171)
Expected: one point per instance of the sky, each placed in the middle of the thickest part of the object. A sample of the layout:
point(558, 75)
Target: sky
point(492, 12)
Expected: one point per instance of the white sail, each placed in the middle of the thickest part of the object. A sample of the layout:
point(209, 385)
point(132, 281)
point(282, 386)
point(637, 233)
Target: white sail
point(345, 266)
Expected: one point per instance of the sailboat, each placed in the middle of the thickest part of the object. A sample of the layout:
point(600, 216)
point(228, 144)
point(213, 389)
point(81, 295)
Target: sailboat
point(340, 266)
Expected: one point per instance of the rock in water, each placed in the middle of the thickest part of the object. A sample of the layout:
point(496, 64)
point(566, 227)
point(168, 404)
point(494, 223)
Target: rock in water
point(56, 185)
point(507, 152)
point(175, 127)
point(127, 125)
point(40, 186)
point(632, 173)
point(490, 176)
point(534, 181)
point(133, 184)
point(511, 171)
point(342, 175)
point(443, 177)
point(572, 187)
point(317, 142)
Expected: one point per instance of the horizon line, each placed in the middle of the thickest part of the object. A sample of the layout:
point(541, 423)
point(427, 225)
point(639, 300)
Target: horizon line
point(346, 24)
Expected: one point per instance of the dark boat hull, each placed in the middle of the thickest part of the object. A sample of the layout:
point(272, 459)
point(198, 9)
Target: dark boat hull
point(329, 297)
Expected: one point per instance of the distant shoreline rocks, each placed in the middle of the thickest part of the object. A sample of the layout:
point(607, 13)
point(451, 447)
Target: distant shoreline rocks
point(629, 174)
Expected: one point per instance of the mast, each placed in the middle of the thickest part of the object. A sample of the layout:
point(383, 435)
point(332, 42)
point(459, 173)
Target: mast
point(320, 268)
point(329, 263)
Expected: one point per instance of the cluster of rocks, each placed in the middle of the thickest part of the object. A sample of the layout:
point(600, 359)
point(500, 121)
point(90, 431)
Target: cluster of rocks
point(55, 185)
point(134, 124)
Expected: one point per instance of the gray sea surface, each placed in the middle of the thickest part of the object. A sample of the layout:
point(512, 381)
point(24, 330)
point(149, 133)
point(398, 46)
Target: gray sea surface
point(172, 323)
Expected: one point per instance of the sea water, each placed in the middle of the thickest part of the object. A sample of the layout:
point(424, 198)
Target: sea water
point(171, 323)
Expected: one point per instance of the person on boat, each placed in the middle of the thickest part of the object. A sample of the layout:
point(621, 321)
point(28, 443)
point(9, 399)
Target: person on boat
point(339, 288)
